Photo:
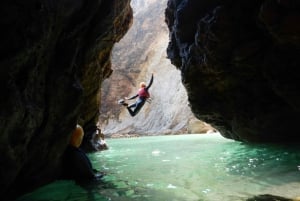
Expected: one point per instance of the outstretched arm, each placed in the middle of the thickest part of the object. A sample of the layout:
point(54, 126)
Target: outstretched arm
point(132, 97)
point(150, 83)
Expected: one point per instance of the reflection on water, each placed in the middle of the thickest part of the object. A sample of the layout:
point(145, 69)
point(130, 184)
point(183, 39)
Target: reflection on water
point(184, 168)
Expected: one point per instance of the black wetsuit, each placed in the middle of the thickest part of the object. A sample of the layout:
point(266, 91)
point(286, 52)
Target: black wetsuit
point(77, 165)
point(142, 95)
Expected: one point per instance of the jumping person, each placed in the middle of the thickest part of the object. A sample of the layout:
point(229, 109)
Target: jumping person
point(142, 96)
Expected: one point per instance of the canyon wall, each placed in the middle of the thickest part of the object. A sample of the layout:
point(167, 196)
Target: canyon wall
point(54, 56)
point(239, 62)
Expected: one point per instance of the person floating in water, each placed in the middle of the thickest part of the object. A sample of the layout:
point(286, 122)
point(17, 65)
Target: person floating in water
point(77, 165)
point(142, 96)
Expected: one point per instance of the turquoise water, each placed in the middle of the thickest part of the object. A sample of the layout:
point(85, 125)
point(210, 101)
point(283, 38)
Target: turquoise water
point(184, 168)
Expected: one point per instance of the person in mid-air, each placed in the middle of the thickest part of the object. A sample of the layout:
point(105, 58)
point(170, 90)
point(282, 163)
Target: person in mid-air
point(142, 96)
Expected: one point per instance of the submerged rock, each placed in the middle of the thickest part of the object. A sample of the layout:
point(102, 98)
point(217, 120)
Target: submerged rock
point(268, 197)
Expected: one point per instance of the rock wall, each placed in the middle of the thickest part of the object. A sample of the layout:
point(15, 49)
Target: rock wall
point(54, 56)
point(239, 61)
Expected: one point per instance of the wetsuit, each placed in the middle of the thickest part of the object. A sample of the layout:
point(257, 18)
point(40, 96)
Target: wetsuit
point(142, 95)
point(78, 166)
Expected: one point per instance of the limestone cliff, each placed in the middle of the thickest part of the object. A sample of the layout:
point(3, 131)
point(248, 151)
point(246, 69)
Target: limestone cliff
point(141, 52)
point(239, 62)
point(54, 56)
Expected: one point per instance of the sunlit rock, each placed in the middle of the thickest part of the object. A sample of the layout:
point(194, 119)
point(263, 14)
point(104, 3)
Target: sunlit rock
point(141, 52)
point(198, 126)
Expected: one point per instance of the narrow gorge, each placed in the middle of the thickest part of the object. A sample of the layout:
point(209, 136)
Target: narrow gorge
point(141, 52)
point(238, 63)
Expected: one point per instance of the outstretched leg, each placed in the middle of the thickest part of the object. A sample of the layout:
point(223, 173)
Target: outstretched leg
point(137, 107)
point(134, 105)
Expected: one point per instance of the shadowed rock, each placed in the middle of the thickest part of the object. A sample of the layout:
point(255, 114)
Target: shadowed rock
point(239, 61)
point(54, 56)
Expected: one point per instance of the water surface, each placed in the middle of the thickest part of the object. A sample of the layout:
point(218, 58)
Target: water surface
point(184, 168)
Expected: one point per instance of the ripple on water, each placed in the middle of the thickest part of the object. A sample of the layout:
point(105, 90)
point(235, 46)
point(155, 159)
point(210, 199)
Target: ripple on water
point(185, 168)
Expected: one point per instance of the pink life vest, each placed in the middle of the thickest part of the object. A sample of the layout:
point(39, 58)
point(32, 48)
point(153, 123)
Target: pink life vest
point(143, 93)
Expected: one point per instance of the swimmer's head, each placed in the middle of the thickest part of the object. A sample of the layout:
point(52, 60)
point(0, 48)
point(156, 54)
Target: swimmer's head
point(77, 136)
point(142, 84)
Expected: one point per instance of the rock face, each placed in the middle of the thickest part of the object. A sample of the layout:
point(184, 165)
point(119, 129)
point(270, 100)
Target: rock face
point(141, 52)
point(239, 62)
point(54, 56)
